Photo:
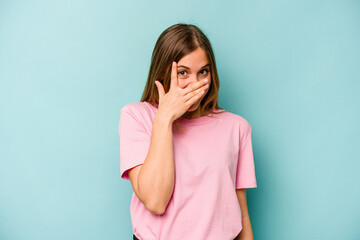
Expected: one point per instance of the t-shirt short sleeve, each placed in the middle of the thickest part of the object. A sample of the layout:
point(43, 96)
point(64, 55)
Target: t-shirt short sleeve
point(245, 173)
point(134, 139)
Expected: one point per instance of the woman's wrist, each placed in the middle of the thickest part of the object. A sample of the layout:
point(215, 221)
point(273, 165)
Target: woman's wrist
point(164, 119)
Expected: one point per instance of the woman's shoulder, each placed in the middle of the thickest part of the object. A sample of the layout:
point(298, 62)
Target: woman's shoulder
point(139, 110)
point(137, 106)
point(236, 119)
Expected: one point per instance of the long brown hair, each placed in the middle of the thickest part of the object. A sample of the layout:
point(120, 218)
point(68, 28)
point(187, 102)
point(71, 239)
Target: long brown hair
point(174, 43)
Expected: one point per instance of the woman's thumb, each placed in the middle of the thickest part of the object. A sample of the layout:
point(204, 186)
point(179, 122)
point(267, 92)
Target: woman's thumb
point(160, 88)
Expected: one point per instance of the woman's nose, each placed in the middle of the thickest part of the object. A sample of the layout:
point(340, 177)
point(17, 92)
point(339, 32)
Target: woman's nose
point(191, 80)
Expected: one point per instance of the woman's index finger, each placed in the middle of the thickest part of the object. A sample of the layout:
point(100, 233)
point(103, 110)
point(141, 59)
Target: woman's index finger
point(173, 79)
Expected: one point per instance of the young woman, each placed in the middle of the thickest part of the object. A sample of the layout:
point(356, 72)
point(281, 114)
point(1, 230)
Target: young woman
point(189, 161)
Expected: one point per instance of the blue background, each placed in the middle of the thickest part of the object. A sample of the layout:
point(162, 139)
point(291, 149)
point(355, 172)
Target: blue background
point(291, 68)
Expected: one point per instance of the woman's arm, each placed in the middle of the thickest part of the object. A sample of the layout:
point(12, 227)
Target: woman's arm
point(246, 232)
point(153, 181)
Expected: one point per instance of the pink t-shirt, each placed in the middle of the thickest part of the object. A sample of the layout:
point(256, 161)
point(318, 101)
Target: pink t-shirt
point(213, 157)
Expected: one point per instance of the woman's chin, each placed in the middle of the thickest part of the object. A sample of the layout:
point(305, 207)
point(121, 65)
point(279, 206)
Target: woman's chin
point(192, 108)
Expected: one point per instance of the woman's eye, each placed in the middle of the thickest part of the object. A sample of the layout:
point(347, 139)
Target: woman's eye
point(181, 72)
point(206, 71)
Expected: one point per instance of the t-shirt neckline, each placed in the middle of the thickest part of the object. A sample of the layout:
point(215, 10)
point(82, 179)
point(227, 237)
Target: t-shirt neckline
point(195, 121)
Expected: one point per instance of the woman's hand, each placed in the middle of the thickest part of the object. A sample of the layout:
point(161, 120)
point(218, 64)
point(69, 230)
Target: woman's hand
point(178, 100)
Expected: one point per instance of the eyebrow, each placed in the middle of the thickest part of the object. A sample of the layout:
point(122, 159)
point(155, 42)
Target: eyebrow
point(189, 68)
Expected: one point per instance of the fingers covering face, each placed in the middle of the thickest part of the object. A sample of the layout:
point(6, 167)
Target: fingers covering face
point(174, 75)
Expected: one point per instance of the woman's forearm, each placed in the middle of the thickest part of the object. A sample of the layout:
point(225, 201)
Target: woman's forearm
point(246, 232)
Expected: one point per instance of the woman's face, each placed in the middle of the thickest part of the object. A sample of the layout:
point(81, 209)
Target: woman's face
point(194, 67)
